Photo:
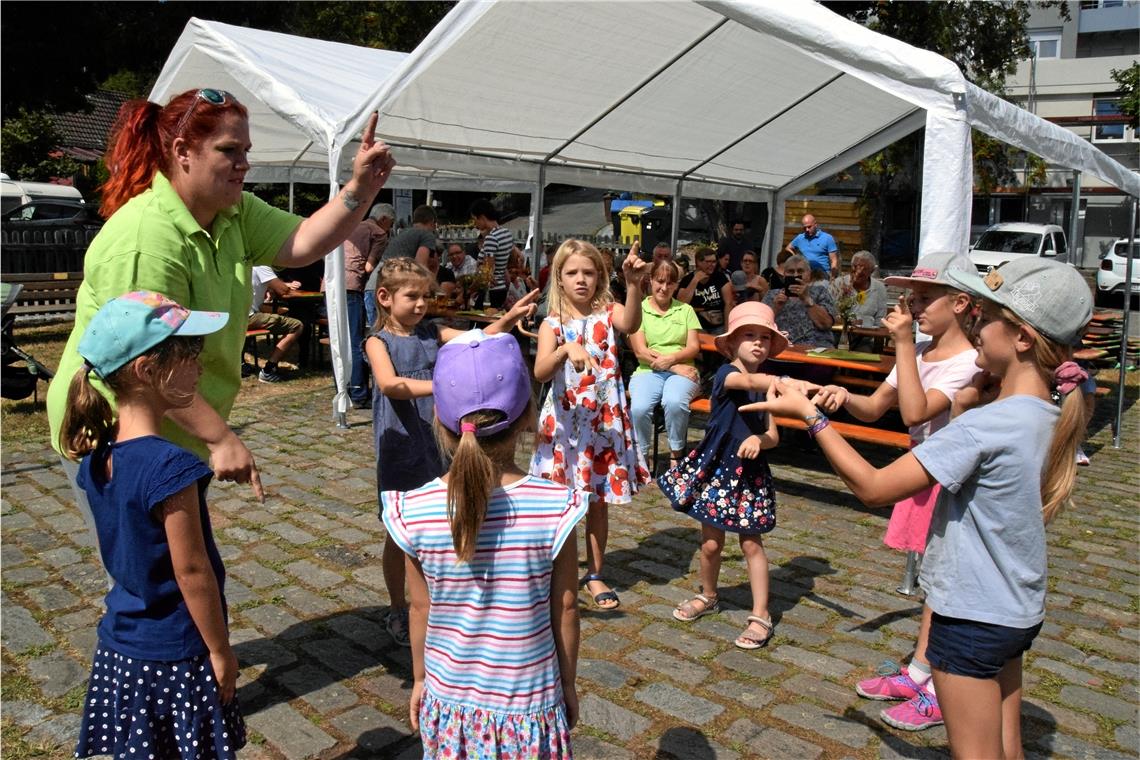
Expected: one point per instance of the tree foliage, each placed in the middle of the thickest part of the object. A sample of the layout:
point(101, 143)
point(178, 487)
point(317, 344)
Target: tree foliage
point(30, 139)
point(986, 40)
point(1128, 88)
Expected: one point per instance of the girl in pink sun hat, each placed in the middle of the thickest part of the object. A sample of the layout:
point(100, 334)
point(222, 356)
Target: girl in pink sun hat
point(725, 483)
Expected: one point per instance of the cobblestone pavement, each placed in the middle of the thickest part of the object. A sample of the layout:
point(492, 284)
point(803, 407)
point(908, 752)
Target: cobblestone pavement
point(321, 678)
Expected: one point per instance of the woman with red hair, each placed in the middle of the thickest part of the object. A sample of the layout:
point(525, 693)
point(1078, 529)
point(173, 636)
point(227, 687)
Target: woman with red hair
point(179, 223)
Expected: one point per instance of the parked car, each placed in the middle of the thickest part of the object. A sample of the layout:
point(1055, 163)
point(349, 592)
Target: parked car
point(47, 235)
point(1110, 275)
point(53, 210)
point(13, 193)
point(1002, 242)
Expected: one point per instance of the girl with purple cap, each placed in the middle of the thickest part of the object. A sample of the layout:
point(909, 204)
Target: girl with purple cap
point(492, 564)
point(725, 483)
point(1006, 470)
point(163, 637)
point(402, 352)
point(922, 385)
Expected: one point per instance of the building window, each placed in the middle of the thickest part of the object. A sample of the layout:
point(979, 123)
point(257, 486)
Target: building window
point(1045, 43)
point(1107, 132)
point(1092, 5)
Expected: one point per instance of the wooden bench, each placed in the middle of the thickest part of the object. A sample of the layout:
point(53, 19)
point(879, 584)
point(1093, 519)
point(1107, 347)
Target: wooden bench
point(45, 292)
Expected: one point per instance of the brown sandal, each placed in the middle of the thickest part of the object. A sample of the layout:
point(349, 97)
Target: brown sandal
point(748, 638)
point(687, 611)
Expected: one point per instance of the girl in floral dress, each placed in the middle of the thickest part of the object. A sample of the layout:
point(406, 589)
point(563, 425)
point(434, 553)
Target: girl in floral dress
point(585, 436)
point(725, 482)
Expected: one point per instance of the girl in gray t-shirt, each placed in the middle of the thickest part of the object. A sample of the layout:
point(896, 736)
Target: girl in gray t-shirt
point(1005, 470)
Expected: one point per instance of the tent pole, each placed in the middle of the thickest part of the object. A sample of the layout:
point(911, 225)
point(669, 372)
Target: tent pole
point(775, 229)
point(1124, 326)
point(675, 233)
point(1073, 214)
point(537, 199)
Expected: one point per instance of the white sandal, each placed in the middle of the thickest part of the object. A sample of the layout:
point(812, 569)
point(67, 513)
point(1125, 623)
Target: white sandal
point(711, 605)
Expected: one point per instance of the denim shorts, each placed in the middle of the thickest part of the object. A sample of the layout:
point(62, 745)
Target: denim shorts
point(978, 650)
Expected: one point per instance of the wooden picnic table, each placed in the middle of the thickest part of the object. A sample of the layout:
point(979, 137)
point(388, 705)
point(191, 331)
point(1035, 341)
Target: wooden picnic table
point(826, 357)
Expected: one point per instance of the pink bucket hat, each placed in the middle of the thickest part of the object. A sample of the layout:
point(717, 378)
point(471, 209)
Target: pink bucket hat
point(752, 314)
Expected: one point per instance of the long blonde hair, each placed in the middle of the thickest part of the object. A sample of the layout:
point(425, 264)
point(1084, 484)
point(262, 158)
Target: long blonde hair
point(1059, 472)
point(395, 274)
point(89, 421)
point(570, 247)
point(476, 467)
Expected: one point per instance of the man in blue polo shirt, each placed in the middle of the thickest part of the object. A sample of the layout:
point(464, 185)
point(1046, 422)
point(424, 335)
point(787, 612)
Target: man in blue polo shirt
point(817, 247)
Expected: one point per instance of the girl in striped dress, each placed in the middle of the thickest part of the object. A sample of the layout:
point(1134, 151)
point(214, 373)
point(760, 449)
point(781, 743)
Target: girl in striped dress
point(491, 570)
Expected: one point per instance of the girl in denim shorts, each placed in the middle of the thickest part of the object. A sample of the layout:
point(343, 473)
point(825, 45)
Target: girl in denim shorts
point(1006, 470)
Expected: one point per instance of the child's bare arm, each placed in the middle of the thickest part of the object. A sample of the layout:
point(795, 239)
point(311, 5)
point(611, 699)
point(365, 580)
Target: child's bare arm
point(194, 574)
point(419, 601)
point(627, 318)
point(524, 307)
point(864, 408)
point(760, 382)
point(771, 437)
point(389, 383)
point(564, 621)
point(874, 487)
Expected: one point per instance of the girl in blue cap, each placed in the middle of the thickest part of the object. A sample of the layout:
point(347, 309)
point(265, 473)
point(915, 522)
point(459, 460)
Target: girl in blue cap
point(1006, 470)
point(164, 675)
point(492, 563)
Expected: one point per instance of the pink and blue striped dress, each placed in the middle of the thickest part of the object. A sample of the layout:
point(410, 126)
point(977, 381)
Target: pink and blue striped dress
point(492, 686)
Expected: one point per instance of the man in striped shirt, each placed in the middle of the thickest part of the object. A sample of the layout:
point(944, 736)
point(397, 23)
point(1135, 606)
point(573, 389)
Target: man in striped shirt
point(497, 243)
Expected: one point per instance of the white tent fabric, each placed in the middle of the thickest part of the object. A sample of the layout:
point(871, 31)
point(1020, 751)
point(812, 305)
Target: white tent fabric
point(735, 99)
point(305, 98)
point(709, 98)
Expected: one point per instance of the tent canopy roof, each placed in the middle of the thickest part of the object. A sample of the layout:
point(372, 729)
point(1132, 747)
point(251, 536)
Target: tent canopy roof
point(738, 100)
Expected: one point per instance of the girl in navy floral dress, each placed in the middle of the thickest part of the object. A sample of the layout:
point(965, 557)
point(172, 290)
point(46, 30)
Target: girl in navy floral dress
point(725, 482)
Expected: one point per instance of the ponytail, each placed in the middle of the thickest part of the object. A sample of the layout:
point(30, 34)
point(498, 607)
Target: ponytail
point(134, 154)
point(89, 421)
point(1059, 472)
point(142, 138)
point(477, 464)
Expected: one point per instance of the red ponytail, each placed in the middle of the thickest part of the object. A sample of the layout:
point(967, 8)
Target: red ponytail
point(141, 140)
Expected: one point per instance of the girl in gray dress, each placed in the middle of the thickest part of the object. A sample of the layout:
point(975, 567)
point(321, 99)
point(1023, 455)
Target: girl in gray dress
point(402, 350)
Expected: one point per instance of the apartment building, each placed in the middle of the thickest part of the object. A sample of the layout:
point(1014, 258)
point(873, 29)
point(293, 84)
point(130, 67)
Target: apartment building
point(1068, 82)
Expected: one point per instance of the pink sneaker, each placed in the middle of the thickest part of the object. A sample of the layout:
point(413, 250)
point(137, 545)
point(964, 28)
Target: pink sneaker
point(916, 714)
point(891, 683)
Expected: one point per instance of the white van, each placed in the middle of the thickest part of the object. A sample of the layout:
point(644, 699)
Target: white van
point(13, 193)
point(1002, 242)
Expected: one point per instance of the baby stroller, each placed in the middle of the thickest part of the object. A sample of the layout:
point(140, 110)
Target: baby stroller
point(19, 372)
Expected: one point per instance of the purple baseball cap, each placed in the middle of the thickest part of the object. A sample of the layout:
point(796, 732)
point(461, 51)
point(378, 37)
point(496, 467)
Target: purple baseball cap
point(476, 372)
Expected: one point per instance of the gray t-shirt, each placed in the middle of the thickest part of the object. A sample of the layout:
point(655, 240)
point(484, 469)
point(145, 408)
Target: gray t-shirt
point(408, 242)
point(403, 245)
point(985, 558)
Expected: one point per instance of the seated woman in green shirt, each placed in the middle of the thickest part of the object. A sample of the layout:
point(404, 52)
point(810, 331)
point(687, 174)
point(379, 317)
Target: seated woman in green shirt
point(179, 223)
point(666, 347)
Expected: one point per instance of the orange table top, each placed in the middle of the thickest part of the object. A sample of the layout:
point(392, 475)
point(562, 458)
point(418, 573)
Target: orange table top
point(803, 355)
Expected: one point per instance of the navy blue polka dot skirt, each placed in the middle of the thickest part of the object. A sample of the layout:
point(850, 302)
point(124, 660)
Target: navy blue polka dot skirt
point(150, 710)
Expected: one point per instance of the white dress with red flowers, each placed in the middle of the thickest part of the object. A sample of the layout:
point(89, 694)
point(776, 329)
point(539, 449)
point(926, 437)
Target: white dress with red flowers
point(585, 436)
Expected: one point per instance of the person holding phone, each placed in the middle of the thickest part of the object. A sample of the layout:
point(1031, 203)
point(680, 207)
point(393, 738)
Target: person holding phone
point(709, 291)
point(805, 309)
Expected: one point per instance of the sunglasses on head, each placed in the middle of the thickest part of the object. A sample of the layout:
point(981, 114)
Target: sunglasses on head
point(211, 96)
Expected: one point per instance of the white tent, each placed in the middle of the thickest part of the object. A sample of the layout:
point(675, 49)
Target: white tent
point(709, 98)
point(305, 98)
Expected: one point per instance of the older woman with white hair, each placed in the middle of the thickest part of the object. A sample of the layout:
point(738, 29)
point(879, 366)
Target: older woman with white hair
point(868, 293)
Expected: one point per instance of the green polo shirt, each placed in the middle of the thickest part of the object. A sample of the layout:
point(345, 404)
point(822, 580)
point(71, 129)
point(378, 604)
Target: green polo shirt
point(154, 243)
point(667, 333)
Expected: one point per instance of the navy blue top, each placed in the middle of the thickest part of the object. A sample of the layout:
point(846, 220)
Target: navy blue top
point(146, 615)
point(725, 404)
